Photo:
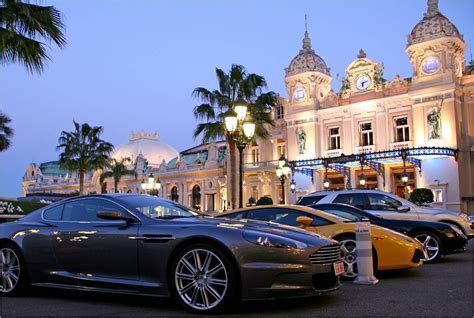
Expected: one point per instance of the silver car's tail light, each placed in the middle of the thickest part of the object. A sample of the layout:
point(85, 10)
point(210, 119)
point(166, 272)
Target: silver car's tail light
point(326, 255)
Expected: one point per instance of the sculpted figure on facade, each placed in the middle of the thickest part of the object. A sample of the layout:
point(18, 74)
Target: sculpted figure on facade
point(301, 138)
point(434, 122)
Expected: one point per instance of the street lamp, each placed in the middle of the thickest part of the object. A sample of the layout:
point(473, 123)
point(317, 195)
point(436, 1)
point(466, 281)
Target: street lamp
point(293, 185)
point(362, 179)
point(326, 180)
point(404, 174)
point(241, 129)
point(404, 177)
point(150, 184)
point(282, 172)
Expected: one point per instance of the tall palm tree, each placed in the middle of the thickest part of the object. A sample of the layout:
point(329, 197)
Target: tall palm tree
point(116, 170)
point(24, 29)
point(83, 150)
point(235, 85)
point(5, 132)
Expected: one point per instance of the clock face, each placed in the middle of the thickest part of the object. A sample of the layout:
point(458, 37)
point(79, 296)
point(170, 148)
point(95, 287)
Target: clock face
point(363, 82)
point(430, 65)
point(299, 94)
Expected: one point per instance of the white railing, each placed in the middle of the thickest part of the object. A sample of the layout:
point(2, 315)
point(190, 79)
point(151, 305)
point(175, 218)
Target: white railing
point(400, 145)
point(333, 153)
point(364, 149)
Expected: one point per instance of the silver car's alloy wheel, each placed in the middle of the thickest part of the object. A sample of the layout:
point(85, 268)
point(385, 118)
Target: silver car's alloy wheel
point(349, 257)
point(430, 246)
point(201, 279)
point(9, 269)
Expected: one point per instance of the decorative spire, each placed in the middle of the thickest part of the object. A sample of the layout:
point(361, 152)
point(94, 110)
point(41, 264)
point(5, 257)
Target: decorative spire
point(306, 40)
point(361, 54)
point(432, 8)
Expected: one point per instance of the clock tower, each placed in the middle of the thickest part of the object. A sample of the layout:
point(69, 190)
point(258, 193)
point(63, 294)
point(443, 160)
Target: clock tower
point(362, 75)
point(307, 81)
point(435, 49)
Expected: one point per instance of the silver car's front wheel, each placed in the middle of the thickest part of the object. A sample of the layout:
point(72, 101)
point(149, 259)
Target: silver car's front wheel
point(431, 246)
point(202, 278)
point(10, 270)
point(349, 257)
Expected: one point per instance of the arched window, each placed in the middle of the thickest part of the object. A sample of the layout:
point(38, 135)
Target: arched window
point(174, 194)
point(196, 196)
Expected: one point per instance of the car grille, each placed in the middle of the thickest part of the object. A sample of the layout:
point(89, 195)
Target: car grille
point(326, 255)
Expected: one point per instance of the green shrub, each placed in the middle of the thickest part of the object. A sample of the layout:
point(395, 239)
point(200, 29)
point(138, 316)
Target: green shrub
point(421, 196)
point(25, 206)
point(265, 200)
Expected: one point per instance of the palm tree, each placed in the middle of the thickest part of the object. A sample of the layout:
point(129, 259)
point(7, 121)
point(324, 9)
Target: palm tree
point(5, 132)
point(23, 29)
point(117, 169)
point(235, 85)
point(83, 150)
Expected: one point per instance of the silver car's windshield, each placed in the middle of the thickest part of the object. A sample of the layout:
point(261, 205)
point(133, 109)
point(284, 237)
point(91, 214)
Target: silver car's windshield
point(159, 208)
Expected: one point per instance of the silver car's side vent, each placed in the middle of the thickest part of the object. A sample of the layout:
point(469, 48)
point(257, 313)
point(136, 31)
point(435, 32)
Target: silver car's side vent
point(326, 255)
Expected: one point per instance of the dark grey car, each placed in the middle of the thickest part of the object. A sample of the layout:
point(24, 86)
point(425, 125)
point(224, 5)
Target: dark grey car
point(139, 244)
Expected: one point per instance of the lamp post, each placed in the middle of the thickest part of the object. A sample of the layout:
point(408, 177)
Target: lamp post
point(362, 179)
point(241, 129)
point(149, 184)
point(326, 180)
point(404, 173)
point(283, 171)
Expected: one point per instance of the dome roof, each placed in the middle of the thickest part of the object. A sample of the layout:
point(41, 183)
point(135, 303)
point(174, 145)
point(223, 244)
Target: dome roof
point(433, 25)
point(149, 146)
point(306, 60)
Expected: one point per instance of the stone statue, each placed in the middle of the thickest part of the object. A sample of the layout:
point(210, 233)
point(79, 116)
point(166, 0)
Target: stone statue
point(378, 76)
point(301, 138)
point(345, 84)
point(434, 123)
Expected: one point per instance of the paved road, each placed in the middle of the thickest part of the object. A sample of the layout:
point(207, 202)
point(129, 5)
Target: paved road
point(442, 290)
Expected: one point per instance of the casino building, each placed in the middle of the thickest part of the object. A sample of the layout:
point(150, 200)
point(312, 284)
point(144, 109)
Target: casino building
point(393, 134)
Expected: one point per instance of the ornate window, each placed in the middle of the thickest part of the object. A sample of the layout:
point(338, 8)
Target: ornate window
point(174, 194)
point(280, 111)
point(402, 129)
point(334, 138)
point(281, 148)
point(196, 197)
point(366, 134)
point(255, 153)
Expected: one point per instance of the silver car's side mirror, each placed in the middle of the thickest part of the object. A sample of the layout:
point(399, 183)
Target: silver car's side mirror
point(403, 209)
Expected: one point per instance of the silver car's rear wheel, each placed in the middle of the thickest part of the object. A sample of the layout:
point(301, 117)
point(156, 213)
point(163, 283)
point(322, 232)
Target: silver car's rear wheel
point(349, 257)
point(10, 269)
point(201, 279)
point(431, 246)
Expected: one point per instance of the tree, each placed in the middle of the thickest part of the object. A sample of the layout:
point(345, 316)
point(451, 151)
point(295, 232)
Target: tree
point(24, 27)
point(234, 85)
point(83, 150)
point(116, 170)
point(5, 132)
point(421, 196)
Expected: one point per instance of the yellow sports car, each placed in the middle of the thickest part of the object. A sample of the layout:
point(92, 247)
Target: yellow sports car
point(391, 250)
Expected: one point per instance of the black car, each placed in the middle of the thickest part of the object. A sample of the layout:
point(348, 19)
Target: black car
point(437, 238)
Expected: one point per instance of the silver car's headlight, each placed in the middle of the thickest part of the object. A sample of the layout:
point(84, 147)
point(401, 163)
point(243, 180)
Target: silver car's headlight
point(272, 240)
point(464, 216)
point(456, 229)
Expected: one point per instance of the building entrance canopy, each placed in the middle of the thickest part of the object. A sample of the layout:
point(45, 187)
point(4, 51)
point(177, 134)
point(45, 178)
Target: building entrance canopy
point(374, 160)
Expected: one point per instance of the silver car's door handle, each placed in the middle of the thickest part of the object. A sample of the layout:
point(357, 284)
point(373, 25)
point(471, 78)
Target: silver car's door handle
point(153, 238)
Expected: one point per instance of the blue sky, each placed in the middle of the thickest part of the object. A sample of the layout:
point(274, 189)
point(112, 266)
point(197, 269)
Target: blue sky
point(132, 64)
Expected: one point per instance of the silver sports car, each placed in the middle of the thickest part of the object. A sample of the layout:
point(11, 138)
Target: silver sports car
point(139, 244)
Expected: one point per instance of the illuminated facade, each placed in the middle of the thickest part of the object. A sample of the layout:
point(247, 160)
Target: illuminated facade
point(357, 133)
